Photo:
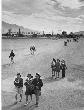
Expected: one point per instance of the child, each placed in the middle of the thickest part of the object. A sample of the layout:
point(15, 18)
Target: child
point(63, 68)
point(29, 87)
point(12, 56)
point(37, 82)
point(18, 86)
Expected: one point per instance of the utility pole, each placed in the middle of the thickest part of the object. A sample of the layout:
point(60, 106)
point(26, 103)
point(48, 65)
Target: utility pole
point(43, 33)
point(52, 33)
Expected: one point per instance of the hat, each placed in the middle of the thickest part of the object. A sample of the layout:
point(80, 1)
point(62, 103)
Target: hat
point(29, 75)
point(63, 61)
point(38, 74)
point(58, 60)
point(18, 74)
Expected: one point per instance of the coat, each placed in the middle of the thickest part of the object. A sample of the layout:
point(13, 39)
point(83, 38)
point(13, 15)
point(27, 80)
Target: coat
point(37, 83)
point(58, 67)
point(29, 87)
point(18, 83)
point(11, 54)
point(63, 67)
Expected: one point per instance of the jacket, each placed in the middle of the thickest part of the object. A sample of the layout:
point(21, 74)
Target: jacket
point(63, 66)
point(28, 84)
point(58, 67)
point(11, 54)
point(18, 83)
point(37, 83)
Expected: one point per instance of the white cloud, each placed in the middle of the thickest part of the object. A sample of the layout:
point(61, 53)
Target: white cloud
point(73, 4)
point(81, 16)
point(41, 14)
point(44, 22)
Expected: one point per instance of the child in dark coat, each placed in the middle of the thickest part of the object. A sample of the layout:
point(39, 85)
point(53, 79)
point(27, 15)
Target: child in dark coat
point(29, 87)
point(63, 68)
point(37, 82)
point(12, 56)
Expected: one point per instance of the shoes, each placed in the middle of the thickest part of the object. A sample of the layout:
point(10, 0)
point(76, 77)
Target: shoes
point(20, 100)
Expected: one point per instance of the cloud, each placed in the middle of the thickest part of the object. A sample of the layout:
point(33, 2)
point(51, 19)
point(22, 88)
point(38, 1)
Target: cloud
point(73, 4)
point(44, 14)
point(24, 6)
point(81, 16)
point(27, 7)
point(81, 0)
point(45, 22)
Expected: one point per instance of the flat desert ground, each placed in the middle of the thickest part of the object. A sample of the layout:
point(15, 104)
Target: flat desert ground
point(57, 94)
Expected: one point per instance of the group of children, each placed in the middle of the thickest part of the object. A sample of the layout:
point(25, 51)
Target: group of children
point(75, 39)
point(33, 86)
point(66, 42)
point(57, 66)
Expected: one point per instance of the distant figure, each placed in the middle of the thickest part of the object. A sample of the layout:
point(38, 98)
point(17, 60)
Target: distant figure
point(53, 66)
point(63, 68)
point(32, 49)
point(18, 86)
point(37, 82)
point(65, 43)
point(57, 68)
point(67, 40)
point(29, 87)
point(12, 56)
point(75, 39)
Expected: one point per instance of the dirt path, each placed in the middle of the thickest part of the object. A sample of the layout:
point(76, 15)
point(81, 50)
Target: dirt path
point(61, 94)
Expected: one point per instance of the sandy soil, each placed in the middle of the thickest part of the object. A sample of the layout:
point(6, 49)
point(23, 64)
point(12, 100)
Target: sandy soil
point(60, 94)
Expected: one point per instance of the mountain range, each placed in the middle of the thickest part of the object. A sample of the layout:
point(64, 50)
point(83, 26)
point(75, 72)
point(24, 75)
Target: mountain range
point(14, 28)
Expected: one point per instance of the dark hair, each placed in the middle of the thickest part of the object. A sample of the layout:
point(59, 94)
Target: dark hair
point(18, 74)
point(38, 74)
point(54, 60)
point(58, 60)
point(29, 75)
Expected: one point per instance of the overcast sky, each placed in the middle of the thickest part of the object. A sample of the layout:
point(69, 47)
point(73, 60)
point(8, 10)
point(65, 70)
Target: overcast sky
point(45, 15)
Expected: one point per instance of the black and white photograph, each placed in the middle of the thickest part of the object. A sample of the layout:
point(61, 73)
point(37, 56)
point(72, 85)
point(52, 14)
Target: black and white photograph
point(42, 55)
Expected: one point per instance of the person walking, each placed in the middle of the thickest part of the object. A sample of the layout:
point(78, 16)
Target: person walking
point(37, 82)
point(29, 87)
point(57, 68)
point(53, 66)
point(63, 68)
point(65, 43)
point(12, 56)
point(32, 49)
point(18, 82)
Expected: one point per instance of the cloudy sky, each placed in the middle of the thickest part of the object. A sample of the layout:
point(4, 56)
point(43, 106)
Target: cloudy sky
point(47, 15)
